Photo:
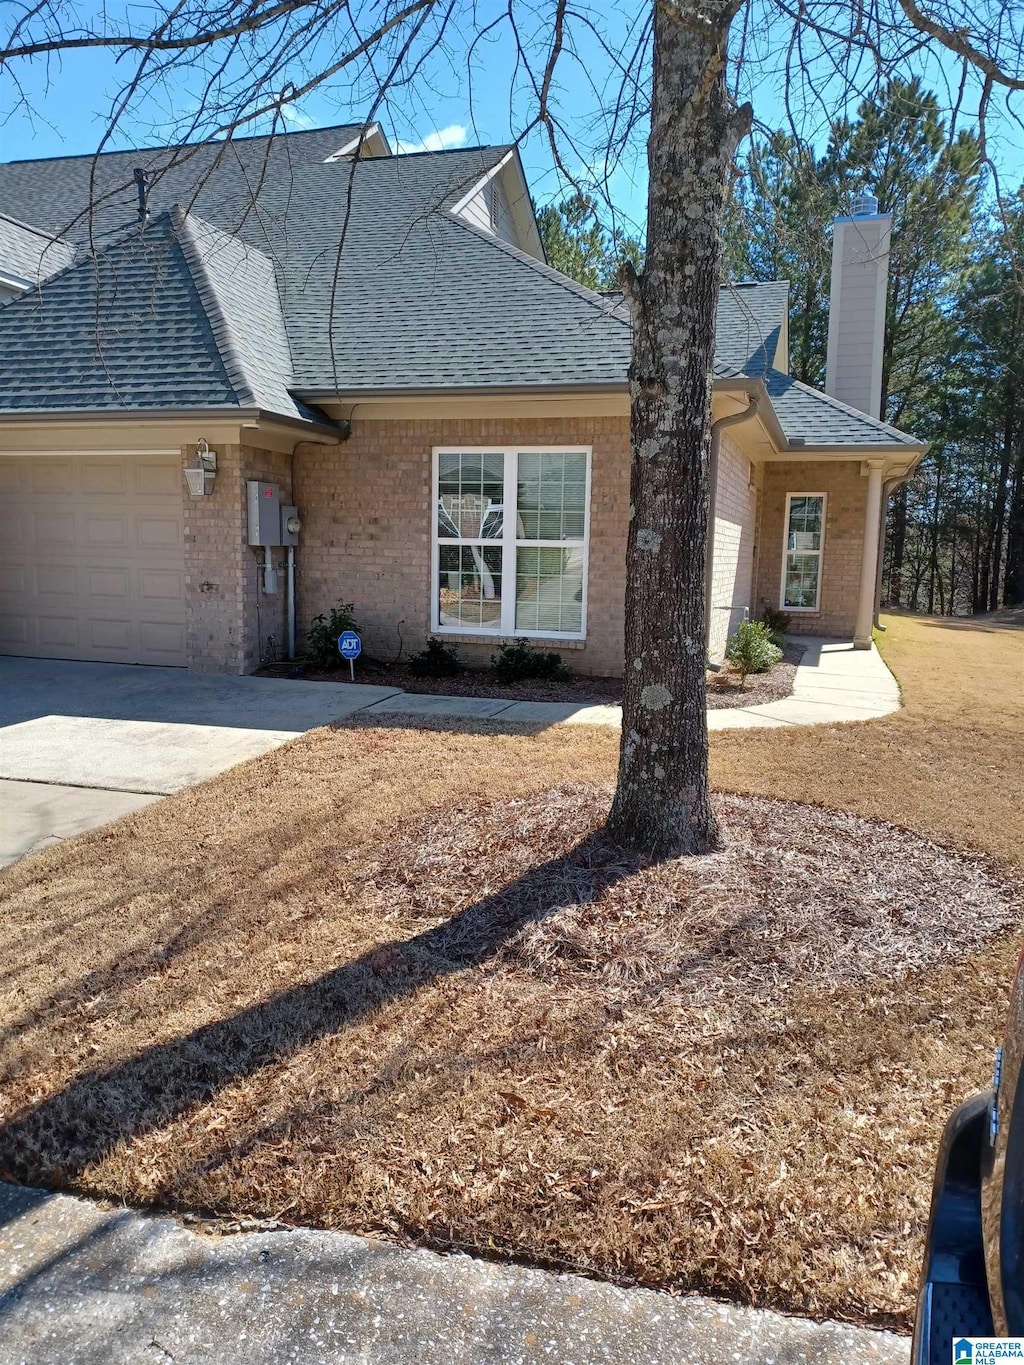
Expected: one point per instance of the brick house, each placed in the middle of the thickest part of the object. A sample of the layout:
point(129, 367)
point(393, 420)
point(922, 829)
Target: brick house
point(379, 339)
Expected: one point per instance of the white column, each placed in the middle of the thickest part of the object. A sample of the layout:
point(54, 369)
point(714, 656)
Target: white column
point(869, 556)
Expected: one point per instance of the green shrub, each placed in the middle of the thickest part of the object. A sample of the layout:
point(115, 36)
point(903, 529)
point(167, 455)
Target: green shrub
point(751, 649)
point(517, 662)
point(779, 624)
point(438, 660)
point(322, 640)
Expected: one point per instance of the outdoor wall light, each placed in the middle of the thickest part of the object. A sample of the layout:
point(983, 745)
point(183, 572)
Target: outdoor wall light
point(200, 476)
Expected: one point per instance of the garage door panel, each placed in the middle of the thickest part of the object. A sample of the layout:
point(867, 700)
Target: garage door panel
point(157, 533)
point(106, 533)
point(13, 627)
point(53, 530)
point(161, 479)
point(92, 559)
point(163, 638)
point(47, 475)
point(109, 583)
point(56, 580)
point(104, 479)
point(58, 632)
point(161, 585)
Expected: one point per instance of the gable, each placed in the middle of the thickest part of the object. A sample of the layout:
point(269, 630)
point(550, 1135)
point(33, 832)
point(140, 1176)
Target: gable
point(123, 329)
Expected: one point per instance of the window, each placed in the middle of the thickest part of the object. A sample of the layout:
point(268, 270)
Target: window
point(801, 553)
point(510, 541)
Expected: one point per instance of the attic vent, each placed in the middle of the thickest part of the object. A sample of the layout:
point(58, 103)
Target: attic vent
point(142, 189)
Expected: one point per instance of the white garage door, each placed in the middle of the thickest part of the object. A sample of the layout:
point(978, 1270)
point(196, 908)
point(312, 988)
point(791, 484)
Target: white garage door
point(92, 558)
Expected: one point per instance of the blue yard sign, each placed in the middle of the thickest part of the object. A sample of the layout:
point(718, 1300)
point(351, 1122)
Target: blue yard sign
point(350, 647)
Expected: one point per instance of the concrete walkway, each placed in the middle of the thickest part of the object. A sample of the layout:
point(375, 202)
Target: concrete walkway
point(834, 682)
point(83, 1285)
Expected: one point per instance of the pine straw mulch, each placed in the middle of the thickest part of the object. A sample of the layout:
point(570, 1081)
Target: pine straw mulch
point(724, 688)
point(500, 1034)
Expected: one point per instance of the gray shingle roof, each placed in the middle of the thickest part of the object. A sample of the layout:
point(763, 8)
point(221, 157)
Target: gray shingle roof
point(56, 193)
point(126, 328)
point(238, 288)
point(824, 421)
point(750, 318)
point(315, 277)
point(29, 255)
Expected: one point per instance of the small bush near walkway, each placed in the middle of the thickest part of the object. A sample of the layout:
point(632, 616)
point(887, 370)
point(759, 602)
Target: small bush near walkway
point(518, 661)
point(322, 639)
point(438, 660)
point(751, 649)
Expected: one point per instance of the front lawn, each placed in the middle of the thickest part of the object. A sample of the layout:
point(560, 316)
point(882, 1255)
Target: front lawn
point(377, 981)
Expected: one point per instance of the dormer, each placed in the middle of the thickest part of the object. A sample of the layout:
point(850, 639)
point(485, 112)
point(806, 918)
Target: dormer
point(369, 143)
point(499, 204)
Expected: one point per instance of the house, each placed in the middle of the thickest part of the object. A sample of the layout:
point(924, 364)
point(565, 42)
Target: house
point(376, 342)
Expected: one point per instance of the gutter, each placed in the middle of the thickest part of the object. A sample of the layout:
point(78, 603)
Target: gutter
point(243, 416)
point(734, 419)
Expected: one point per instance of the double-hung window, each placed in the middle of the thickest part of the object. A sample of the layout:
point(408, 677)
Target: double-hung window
point(802, 551)
point(510, 531)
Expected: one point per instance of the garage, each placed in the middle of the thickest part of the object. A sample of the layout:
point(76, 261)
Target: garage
point(92, 558)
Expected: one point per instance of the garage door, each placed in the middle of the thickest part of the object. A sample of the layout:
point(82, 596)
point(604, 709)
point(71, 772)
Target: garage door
point(92, 559)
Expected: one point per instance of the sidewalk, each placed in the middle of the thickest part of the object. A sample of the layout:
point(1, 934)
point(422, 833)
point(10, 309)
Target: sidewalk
point(82, 1284)
point(834, 682)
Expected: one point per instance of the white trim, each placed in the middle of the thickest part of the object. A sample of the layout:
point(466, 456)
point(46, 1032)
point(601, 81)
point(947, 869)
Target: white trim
point(820, 552)
point(509, 542)
point(356, 142)
point(485, 179)
point(80, 450)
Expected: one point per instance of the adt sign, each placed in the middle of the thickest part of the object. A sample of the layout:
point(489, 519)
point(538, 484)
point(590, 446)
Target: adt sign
point(349, 645)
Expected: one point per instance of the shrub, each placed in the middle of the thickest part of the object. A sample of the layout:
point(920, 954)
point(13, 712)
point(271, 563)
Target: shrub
point(517, 662)
point(438, 660)
point(751, 649)
point(322, 639)
point(779, 624)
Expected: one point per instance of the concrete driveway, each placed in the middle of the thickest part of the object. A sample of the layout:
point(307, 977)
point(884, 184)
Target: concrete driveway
point(81, 744)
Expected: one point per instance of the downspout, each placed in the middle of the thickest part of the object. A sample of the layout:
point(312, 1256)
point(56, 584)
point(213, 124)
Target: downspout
point(753, 403)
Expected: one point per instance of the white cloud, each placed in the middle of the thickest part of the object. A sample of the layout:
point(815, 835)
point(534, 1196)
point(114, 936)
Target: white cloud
point(453, 136)
point(292, 115)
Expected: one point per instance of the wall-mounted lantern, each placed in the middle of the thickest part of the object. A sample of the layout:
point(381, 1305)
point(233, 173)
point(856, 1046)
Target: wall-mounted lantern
point(200, 476)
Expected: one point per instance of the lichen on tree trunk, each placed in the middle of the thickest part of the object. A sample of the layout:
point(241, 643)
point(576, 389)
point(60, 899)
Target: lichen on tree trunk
point(662, 806)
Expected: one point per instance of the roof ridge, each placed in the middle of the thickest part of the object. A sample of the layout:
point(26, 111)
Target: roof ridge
point(34, 227)
point(177, 146)
point(548, 272)
point(220, 324)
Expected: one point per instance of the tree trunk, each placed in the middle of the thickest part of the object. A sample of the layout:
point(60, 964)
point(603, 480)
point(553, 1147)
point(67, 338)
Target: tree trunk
point(1013, 581)
point(898, 534)
point(662, 806)
point(1002, 488)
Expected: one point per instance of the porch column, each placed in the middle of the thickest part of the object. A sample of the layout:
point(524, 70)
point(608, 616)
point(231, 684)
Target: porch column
point(869, 556)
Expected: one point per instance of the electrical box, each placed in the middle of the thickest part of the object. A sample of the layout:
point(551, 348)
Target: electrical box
point(290, 526)
point(264, 504)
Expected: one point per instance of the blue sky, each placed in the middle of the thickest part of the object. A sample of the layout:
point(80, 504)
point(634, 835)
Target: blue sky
point(442, 108)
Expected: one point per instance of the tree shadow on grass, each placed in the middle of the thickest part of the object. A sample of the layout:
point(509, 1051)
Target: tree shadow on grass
point(62, 1136)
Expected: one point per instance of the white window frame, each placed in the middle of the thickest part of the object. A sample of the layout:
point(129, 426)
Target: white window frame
point(508, 542)
point(786, 552)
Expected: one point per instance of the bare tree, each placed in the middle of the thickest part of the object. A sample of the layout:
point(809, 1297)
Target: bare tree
point(679, 71)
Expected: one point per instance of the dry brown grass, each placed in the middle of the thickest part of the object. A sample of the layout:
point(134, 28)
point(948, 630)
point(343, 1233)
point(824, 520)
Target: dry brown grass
point(258, 998)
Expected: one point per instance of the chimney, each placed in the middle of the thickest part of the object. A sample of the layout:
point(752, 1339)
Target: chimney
point(856, 314)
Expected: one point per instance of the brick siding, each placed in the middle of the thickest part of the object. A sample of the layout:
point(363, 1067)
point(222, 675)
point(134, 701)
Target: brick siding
point(229, 618)
point(365, 508)
point(844, 540)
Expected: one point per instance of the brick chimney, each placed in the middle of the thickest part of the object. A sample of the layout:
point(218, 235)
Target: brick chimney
point(856, 317)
